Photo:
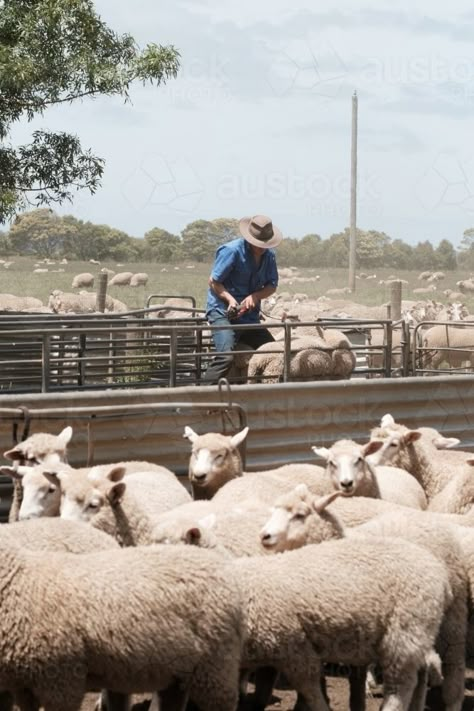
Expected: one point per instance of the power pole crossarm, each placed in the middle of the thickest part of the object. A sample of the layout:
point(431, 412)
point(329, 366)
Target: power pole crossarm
point(353, 227)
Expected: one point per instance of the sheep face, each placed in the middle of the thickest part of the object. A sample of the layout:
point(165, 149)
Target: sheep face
point(41, 448)
point(346, 464)
point(82, 499)
point(214, 460)
point(40, 498)
point(397, 441)
point(288, 525)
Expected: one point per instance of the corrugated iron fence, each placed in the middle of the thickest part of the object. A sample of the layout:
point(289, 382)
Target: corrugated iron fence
point(284, 420)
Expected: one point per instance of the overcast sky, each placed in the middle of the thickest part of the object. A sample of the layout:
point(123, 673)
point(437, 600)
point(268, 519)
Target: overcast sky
point(259, 119)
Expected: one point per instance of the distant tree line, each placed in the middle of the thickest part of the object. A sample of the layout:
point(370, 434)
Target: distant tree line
point(42, 233)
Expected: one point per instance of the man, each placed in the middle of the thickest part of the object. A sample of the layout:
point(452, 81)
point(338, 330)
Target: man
point(244, 273)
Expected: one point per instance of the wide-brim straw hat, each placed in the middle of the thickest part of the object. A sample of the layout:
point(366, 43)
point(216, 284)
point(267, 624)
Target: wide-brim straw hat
point(259, 231)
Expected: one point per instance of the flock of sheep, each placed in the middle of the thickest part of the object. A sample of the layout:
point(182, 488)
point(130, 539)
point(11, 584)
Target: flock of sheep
point(115, 579)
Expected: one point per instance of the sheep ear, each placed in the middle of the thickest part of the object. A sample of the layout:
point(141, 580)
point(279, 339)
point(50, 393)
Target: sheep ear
point(14, 454)
point(116, 473)
point(323, 502)
point(322, 452)
point(190, 434)
point(371, 447)
point(411, 436)
point(208, 522)
point(12, 472)
point(441, 442)
point(52, 477)
point(193, 536)
point(301, 490)
point(387, 421)
point(64, 437)
point(238, 438)
point(116, 493)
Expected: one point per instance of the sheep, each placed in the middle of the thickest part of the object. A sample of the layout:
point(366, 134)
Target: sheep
point(424, 289)
point(418, 454)
point(121, 279)
point(215, 471)
point(83, 280)
point(215, 460)
point(454, 295)
point(312, 358)
point(339, 292)
point(439, 342)
point(458, 494)
point(182, 610)
point(172, 308)
point(299, 519)
point(437, 276)
point(55, 535)
point(10, 302)
point(82, 303)
point(42, 498)
point(465, 286)
point(125, 508)
point(109, 272)
point(424, 276)
point(139, 279)
point(355, 471)
point(297, 611)
point(38, 448)
point(95, 261)
point(39, 270)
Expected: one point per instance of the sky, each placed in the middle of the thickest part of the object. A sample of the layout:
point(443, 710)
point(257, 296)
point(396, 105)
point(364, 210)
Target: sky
point(259, 119)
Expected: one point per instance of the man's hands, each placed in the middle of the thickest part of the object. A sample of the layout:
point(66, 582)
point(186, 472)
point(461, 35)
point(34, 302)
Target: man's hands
point(250, 302)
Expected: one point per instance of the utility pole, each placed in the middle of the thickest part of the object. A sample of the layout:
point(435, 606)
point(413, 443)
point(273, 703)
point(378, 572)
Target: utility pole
point(353, 228)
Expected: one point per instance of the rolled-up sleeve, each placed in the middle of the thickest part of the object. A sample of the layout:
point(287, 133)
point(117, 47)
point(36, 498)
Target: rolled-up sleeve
point(223, 263)
point(272, 271)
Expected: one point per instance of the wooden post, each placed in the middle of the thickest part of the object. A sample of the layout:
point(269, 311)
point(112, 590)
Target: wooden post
point(101, 292)
point(396, 300)
point(353, 227)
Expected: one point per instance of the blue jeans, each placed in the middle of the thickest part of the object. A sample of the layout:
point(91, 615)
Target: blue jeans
point(226, 340)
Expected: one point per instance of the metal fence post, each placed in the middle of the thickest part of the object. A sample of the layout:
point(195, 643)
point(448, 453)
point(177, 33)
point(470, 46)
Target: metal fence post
point(287, 355)
point(173, 356)
point(45, 374)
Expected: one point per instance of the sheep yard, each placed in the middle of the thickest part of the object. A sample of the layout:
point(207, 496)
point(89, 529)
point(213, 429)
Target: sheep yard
point(301, 296)
point(190, 278)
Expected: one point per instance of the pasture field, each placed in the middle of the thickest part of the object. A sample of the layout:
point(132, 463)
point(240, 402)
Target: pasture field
point(189, 278)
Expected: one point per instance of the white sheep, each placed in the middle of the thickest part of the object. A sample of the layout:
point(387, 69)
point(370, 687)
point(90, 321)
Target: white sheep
point(95, 261)
point(42, 497)
point(215, 459)
point(82, 303)
point(298, 610)
point(38, 448)
point(299, 519)
point(139, 279)
point(355, 470)
point(121, 279)
point(465, 286)
point(312, 358)
point(425, 289)
point(215, 471)
point(83, 280)
point(11, 302)
point(425, 275)
point(124, 507)
point(339, 292)
point(131, 620)
point(417, 453)
point(448, 344)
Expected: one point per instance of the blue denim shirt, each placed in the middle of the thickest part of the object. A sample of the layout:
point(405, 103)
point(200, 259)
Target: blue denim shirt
point(236, 268)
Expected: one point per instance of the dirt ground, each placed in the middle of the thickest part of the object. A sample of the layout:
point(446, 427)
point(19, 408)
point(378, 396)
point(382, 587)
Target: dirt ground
point(338, 690)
